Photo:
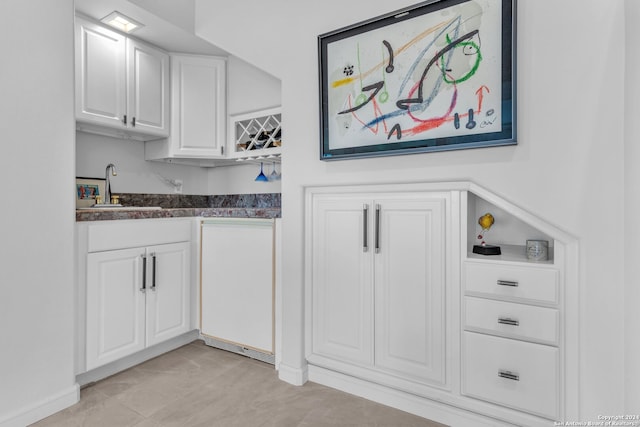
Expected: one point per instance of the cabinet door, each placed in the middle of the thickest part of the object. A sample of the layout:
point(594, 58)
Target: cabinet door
point(237, 282)
point(342, 278)
point(168, 279)
point(148, 89)
point(198, 106)
point(410, 286)
point(115, 305)
point(100, 74)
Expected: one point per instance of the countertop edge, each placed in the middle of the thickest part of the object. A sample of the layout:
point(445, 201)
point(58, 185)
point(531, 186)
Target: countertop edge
point(123, 214)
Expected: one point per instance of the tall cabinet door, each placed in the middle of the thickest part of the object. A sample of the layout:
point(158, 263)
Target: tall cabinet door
point(115, 305)
point(410, 286)
point(198, 105)
point(168, 276)
point(342, 285)
point(148, 90)
point(100, 74)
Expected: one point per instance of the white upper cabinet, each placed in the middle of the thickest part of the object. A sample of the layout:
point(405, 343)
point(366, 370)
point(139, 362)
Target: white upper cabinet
point(198, 110)
point(101, 95)
point(148, 88)
point(122, 85)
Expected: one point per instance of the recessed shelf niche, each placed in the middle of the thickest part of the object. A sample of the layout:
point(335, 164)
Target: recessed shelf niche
point(508, 232)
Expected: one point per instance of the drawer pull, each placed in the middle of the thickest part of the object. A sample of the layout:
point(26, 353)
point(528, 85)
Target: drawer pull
point(508, 375)
point(507, 283)
point(507, 321)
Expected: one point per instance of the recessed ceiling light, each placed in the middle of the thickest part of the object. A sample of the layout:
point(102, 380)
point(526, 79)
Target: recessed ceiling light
point(122, 22)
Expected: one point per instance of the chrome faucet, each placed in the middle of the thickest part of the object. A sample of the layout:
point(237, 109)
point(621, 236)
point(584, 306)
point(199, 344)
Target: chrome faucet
point(107, 184)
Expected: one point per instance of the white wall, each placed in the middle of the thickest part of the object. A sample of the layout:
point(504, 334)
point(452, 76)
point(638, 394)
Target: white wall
point(37, 305)
point(567, 168)
point(135, 174)
point(249, 89)
point(632, 209)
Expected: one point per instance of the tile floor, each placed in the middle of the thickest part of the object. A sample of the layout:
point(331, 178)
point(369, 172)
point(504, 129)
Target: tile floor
point(197, 385)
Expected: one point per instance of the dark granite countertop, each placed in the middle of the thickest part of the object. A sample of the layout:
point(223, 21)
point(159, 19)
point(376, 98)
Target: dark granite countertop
point(177, 206)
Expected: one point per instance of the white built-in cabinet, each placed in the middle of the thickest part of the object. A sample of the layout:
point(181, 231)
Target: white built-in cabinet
point(198, 110)
point(397, 304)
point(122, 84)
point(378, 285)
point(136, 286)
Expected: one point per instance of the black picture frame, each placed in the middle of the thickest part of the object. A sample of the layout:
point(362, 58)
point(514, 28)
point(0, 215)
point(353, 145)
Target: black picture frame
point(436, 76)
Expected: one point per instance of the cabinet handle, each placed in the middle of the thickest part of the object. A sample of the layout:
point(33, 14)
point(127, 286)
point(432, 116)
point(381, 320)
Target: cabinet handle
point(507, 283)
point(508, 375)
point(133, 122)
point(365, 228)
point(144, 273)
point(153, 270)
point(377, 228)
point(508, 321)
point(124, 119)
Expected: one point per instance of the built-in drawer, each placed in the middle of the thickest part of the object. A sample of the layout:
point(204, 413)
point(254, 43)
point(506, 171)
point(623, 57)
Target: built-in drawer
point(517, 374)
point(110, 235)
point(513, 320)
point(534, 284)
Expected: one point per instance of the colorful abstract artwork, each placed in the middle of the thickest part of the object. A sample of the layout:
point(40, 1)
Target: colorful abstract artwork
point(437, 76)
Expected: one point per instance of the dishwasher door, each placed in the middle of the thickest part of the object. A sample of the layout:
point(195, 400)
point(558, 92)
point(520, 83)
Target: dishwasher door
point(237, 285)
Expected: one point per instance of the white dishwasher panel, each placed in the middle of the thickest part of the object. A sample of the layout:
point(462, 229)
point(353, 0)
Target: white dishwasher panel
point(237, 282)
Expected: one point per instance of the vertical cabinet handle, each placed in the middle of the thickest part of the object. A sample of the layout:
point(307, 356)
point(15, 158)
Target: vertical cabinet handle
point(153, 271)
point(143, 288)
point(133, 122)
point(508, 375)
point(377, 228)
point(365, 228)
point(124, 119)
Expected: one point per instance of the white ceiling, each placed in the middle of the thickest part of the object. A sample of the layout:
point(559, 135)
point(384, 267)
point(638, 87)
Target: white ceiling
point(169, 25)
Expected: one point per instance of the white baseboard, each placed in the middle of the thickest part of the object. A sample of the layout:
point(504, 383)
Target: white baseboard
point(135, 359)
point(294, 376)
point(43, 408)
point(432, 410)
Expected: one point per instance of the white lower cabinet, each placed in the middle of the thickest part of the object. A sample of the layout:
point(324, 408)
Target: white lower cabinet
point(378, 285)
point(136, 297)
point(399, 309)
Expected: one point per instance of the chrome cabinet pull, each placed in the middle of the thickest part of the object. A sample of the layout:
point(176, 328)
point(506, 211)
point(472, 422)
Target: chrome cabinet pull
point(365, 228)
point(507, 283)
point(153, 270)
point(143, 288)
point(377, 228)
point(508, 321)
point(133, 122)
point(508, 375)
point(124, 119)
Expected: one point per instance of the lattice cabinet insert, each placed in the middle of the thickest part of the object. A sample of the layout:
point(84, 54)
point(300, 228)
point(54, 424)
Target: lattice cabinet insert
point(256, 134)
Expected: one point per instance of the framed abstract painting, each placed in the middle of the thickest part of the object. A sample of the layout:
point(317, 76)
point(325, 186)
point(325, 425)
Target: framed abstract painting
point(436, 76)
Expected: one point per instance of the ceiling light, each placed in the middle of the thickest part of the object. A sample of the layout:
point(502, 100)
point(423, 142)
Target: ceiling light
point(122, 22)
